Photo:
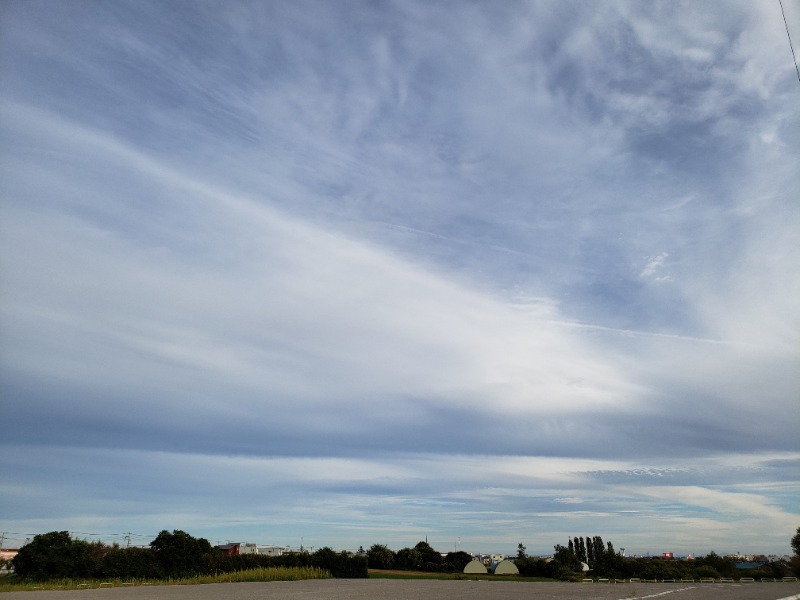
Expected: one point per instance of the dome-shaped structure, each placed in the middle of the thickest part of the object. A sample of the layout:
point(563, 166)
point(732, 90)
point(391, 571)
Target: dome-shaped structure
point(475, 567)
point(505, 567)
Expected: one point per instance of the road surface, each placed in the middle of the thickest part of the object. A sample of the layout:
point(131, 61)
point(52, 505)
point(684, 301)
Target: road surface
point(394, 589)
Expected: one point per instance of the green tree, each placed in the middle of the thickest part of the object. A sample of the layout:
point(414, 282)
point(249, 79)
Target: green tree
point(180, 554)
point(380, 557)
point(431, 560)
point(53, 555)
point(580, 550)
point(408, 559)
point(521, 551)
point(589, 551)
point(326, 558)
point(794, 563)
point(599, 549)
point(564, 564)
point(598, 563)
point(456, 561)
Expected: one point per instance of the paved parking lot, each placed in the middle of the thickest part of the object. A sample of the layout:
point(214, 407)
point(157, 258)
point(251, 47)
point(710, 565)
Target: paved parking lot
point(387, 589)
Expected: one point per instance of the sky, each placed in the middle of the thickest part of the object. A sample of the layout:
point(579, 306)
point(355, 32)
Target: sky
point(346, 273)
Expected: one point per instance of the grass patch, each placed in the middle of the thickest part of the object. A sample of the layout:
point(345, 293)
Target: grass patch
point(261, 574)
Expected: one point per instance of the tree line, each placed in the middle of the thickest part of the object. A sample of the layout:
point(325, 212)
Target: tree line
point(177, 554)
point(421, 557)
point(174, 555)
point(604, 561)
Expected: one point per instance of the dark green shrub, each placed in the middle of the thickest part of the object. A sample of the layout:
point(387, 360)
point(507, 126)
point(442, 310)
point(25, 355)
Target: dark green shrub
point(131, 563)
point(341, 565)
point(706, 571)
point(531, 567)
point(456, 561)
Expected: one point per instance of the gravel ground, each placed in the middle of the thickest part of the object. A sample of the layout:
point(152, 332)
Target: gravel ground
point(393, 589)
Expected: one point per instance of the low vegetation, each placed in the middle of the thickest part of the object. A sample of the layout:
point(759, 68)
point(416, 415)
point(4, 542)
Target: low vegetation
point(261, 574)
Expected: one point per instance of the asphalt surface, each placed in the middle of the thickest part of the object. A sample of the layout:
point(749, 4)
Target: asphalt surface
point(393, 589)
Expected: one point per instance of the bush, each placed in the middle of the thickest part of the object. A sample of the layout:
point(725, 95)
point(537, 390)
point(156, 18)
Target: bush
point(531, 567)
point(292, 559)
point(724, 567)
point(706, 571)
point(341, 565)
point(131, 563)
point(795, 565)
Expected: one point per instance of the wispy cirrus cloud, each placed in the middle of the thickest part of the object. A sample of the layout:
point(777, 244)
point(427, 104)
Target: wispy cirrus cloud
point(478, 272)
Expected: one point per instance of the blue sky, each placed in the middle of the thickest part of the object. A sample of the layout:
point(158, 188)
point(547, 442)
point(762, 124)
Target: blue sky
point(370, 272)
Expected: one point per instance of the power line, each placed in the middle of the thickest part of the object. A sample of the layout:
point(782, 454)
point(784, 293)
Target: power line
point(790, 40)
point(127, 537)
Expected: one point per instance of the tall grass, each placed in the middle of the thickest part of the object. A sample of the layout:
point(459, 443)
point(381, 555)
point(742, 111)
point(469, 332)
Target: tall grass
point(263, 574)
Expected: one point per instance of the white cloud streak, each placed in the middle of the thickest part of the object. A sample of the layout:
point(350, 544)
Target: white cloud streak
point(475, 272)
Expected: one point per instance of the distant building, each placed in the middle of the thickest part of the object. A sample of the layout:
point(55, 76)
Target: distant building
point(231, 549)
point(749, 564)
point(667, 555)
point(237, 548)
point(6, 554)
point(248, 549)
